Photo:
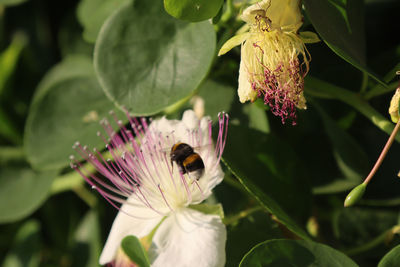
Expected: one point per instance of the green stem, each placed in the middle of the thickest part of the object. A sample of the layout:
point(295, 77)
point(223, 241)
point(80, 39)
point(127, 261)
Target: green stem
point(319, 88)
point(380, 202)
point(67, 182)
point(364, 83)
point(85, 195)
point(11, 153)
point(72, 180)
point(380, 90)
point(228, 12)
point(234, 183)
point(383, 154)
point(373, 243)
point(241, 215)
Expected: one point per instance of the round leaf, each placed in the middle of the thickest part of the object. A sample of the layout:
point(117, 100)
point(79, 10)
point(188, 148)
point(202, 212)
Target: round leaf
point(22, 191)
point(190, 10)
point(93, 13)
point(246, 233)
point(145, 60)
point(296, 253)
point(66, 109)
point(391, 259)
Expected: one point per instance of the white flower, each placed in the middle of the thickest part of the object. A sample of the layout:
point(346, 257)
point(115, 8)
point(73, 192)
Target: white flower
point(274, 59)
point(155, 194)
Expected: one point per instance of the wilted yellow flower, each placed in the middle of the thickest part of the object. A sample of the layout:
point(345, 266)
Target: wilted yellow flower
point(274, 59)
point(394, 106)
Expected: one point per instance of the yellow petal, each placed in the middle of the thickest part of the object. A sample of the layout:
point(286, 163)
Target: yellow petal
point(285, 14)
point(234, 41)
point(245, 91)
point(309, 37)
point(256, 9)
point(394, 106)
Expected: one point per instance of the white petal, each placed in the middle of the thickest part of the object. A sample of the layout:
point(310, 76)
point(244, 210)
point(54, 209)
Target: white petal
point(189, 238)
point(127, 225)
point(190, 120)
point(212, 177)
point(183, 132)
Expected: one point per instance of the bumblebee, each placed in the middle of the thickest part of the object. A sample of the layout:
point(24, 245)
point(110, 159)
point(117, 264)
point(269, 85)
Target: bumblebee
point(187, 160)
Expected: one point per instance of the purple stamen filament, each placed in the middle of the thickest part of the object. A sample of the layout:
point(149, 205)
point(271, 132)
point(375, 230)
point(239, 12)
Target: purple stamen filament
point(140, 164)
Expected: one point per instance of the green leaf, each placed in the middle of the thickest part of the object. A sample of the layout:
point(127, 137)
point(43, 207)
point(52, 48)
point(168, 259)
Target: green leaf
point(342, 30)
point(248, 232)
point(351, 159)
point(271, 173)
point(8, 129)
point(9, 59)
point(379, 89)
point(215, 209)
point(391, 259)
point(356, 226)
point(66, 108)
point(193, 10)
point(70, 39)
point(25, 251)
point(217, 97)
point(146, 61)
point(258, 119)
point(135, 251)
point(72, 66)
point(281, 252)
point(88, 242)
point(11, 154)
point(92, 14)
point(22, 191)
point(11, 2)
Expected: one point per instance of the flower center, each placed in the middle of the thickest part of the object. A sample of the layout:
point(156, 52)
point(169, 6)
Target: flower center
point(275, 71)
point(140, 170)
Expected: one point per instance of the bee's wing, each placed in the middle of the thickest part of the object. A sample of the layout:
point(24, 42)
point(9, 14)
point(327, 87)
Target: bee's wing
point(202, 148)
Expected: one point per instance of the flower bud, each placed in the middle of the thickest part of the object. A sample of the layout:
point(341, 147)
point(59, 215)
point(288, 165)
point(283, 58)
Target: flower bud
point(394, 106)
point(355, 195)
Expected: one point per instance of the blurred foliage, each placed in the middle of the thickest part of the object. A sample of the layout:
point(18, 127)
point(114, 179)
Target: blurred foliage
point(65, 64)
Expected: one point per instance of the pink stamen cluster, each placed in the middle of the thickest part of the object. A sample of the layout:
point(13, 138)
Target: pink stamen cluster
point(281, 89)
point(140, 164)
point(126, 262)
